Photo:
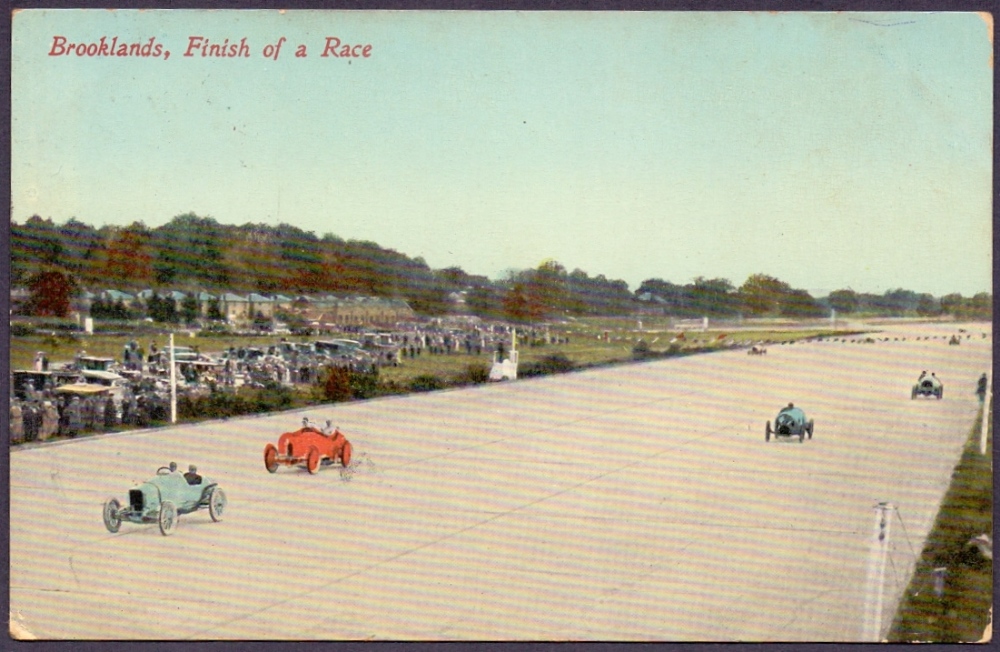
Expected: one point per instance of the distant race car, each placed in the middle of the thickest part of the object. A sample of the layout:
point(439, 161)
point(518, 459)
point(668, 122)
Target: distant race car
point(308, 445)
point(928, 385)
point(790, 422)
point(164, 498)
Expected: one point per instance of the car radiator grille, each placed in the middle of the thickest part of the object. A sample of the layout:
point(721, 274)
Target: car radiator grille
point(135, 499)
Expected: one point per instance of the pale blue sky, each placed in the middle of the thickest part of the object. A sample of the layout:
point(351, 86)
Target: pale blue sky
point(830, 150)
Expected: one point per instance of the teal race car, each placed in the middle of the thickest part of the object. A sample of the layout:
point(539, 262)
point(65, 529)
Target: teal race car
point(790, 422)
point(164, 498)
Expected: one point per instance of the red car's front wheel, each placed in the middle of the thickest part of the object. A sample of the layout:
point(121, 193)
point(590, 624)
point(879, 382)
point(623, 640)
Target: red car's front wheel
point(312, 460)
point(271, 458)
point(345, 454)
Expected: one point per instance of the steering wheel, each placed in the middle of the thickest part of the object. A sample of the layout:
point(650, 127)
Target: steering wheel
point(163, 470)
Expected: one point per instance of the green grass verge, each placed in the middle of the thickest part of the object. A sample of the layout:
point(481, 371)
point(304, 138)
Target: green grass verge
point(963, 611)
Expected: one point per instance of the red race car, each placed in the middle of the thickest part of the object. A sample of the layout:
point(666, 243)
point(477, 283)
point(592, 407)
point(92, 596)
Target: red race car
point(308, 445)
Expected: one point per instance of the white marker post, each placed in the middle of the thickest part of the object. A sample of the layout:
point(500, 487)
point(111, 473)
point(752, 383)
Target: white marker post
point(986, 415)
point(875, 583)
point(173, 383)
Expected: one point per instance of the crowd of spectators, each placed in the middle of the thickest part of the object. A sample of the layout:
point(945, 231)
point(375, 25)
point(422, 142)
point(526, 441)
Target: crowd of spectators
point(141, 396)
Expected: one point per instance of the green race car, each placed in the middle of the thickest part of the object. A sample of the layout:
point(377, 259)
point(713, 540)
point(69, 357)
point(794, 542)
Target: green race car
point(163, 498)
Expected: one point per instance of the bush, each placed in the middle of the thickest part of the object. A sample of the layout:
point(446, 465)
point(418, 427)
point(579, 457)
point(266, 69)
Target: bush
point(342, 384)
point(474, 374)
point(337, 386)
point(220, 404)
point(426, 383)
point(364, 384)
point(214, 329)
point(21, 330)
point(550, 364)
point(641, 350)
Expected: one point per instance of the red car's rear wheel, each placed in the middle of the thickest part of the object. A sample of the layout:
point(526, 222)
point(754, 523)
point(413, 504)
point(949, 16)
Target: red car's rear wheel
point(271, 458)
point(345, 454)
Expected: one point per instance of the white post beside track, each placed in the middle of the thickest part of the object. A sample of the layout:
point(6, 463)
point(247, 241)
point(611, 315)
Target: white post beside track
point(986, 415)
point(875, 583)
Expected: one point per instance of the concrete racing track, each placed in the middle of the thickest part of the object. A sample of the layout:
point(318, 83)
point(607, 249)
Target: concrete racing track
point(631, 503)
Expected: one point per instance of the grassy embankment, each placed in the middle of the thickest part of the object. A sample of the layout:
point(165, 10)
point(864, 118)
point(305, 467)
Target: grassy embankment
point(963, 611)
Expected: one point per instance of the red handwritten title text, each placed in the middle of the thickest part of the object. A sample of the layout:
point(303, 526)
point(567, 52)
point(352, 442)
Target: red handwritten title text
point(204, 47)
point(108, 47)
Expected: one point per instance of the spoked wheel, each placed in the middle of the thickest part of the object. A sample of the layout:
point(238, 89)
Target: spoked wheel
point(112, 519)
point(271, 458)
point(312, 460)
point(216, 504)
point(345, 454)
point(809, 430)
point(167, 518)
point(767, 432)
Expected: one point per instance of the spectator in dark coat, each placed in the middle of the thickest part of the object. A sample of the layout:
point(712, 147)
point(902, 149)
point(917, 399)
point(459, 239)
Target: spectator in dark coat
point(110, 414)
point(75, 416)
point(32, 421)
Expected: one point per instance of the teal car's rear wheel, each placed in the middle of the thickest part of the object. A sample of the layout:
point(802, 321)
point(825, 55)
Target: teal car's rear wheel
point(167, 518)
point(112, 517)
point(216, 504)
point(767, 432)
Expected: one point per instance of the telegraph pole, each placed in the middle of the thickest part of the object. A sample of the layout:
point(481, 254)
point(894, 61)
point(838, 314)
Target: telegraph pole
point(173, 383)
point(875, 582)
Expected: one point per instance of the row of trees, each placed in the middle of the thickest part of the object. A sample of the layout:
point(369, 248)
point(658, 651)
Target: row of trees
point(194, 251)
point(198, 252)
point(762, 295)
point(759, 295)
point(900, 301)
point(56, 261)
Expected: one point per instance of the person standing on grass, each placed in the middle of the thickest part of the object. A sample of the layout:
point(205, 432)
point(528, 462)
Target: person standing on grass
point(16, 431)
point(50, 420)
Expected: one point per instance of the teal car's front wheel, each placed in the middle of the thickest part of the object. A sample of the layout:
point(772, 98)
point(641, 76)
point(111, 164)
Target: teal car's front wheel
point(167, 518)
point(216, 504)
point(112, 517)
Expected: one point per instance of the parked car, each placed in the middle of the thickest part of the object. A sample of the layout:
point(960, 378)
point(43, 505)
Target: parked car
point(928, 385)
point(790, 422)
point(310, 446)
point(164, 498)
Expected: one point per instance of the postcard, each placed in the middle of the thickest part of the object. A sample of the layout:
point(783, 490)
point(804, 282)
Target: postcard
point(366, 246)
